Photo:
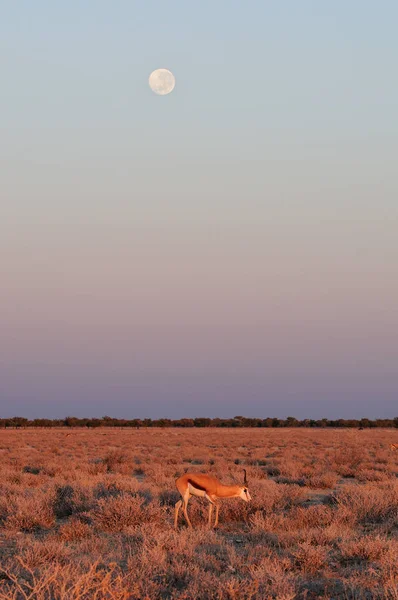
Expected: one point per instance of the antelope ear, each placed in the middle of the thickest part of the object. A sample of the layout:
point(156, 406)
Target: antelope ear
point(245, 478)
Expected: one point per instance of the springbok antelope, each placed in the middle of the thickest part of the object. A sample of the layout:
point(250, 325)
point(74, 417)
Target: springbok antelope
point(200, 484)
point(393, 447)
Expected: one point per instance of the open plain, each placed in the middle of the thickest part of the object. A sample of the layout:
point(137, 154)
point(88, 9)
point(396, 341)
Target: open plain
point(88, 514)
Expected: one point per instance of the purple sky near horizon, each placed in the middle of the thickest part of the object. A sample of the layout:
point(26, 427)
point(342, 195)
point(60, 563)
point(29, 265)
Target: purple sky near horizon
point(229, 249)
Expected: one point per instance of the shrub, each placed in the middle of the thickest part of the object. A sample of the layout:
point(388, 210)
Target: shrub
point(114, 460)
point(116, 514)
point(369, 548)
point(102, 490)
point(69, 500)
point(310, 559)
point(169, 497)
point(74, 530)
point(348, 459)
point(39, 553)
point(274, 579)
point(370, 503)
point(322, 481)
point(63, 502)
point(30, 512)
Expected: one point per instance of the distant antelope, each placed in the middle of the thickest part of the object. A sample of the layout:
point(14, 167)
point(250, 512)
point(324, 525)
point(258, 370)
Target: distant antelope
point(200, 484)
point(393, 447)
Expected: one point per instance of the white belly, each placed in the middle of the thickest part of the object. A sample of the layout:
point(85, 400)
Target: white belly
point(195, 492)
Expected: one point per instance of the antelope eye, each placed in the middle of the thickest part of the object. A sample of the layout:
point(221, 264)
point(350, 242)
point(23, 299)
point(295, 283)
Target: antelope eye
point(245, 490)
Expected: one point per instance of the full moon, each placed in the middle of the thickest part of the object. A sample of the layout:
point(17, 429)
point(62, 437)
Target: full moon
point(162, 81)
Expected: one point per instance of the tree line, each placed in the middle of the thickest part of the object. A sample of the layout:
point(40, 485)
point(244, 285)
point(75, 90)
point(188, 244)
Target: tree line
point(239, 421)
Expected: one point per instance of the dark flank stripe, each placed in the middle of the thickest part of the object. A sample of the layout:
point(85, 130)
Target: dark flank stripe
point(196, 485)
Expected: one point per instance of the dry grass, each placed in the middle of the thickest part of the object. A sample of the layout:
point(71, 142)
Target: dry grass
point(89, 516)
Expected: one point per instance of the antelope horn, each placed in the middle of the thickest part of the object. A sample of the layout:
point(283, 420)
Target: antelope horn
point(245, 479)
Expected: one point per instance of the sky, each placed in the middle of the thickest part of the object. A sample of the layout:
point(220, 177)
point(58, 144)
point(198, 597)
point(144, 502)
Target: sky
point(230, 248)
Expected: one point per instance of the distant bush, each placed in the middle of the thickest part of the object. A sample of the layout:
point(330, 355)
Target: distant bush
point(32, 470)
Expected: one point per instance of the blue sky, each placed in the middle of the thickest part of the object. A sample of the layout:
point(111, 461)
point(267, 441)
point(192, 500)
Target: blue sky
point(228, 249)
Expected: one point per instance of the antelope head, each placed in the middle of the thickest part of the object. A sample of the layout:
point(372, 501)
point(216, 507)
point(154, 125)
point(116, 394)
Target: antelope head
point(244, 491)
